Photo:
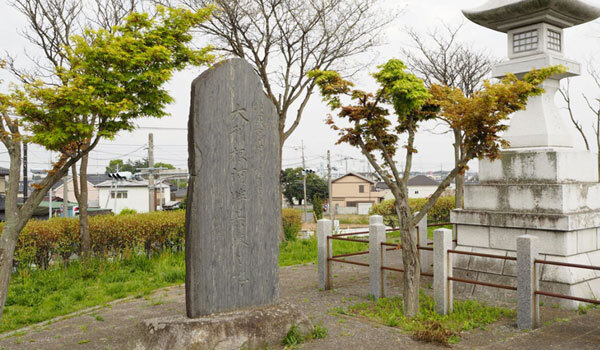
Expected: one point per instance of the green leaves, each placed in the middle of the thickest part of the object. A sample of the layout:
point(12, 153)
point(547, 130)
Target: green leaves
point(113, 78)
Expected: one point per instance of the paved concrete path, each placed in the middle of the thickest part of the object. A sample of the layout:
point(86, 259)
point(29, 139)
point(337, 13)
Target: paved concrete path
point(116, 326)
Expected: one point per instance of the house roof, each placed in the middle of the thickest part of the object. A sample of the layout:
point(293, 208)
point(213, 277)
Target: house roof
point(3, 171)
point(128, 183)
point(382, 186)
point(357, 175)
point(422, 180)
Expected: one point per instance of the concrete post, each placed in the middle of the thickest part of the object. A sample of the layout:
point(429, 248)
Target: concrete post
point(376, 257)
point(528, 315)
point(375, 220)
point(324, 251)
point(426, 255)
point(442, 269)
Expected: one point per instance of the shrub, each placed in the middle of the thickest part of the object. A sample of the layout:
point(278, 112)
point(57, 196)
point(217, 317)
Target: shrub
point(440, 212)
point(318, 207)
point(292, 223)
point(128, 211)
point(110, 235)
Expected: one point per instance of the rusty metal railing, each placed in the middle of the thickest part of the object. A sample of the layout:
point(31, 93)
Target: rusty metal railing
point(562, 296)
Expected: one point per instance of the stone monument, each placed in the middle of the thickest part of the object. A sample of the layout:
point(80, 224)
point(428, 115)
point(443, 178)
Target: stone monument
point(233, 220)
point(541, 186)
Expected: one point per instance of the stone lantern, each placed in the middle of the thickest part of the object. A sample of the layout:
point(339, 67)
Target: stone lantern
point(541, 186)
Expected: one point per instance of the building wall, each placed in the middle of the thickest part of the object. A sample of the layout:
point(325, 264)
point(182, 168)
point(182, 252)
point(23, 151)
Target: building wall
point(92, 193)
point(421, 191)
point(137, 198)
point(345, 192)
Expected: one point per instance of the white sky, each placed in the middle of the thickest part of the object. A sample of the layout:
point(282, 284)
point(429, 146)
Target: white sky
point(435, 151)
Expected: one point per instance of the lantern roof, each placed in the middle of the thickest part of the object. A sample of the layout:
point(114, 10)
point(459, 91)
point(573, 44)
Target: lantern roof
point(504, 15)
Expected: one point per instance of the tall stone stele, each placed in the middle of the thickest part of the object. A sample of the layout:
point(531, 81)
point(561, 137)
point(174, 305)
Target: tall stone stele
point(541, 186)
point(233, 213)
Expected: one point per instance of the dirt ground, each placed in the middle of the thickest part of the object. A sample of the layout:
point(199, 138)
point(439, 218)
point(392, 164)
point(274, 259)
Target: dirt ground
point(116, 325)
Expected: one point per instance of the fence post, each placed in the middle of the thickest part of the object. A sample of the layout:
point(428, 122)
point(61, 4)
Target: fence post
point(425, 255)
point(376, 256)
point(324, 252)
point(442, 269)
point(528, 314)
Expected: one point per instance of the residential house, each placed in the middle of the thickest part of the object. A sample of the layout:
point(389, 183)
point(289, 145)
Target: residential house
point(420, 186)
point(130, 194)
point(3, 179)
point(92, 181)
point(354, 194)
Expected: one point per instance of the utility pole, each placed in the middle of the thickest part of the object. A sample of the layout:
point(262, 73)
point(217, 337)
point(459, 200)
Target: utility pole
point(304, 180)
point(25, 182)
point(50, 192)
point(151, 190)
point(330, 204)
point(65, 195)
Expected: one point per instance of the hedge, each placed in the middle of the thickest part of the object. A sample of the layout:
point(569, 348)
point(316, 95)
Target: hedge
point(110, 236)
point(440, 212)
point(292, 223)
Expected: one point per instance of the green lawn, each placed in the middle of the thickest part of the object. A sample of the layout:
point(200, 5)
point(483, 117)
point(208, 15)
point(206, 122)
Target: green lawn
point(38, 295)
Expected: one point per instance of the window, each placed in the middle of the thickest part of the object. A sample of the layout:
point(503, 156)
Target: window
point(361, 188)
point(120, 194)
point(525, 41)
point(351, 204)
point(554, 40)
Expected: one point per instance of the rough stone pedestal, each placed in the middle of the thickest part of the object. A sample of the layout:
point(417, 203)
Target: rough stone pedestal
point(550, 193)
point(256, 328)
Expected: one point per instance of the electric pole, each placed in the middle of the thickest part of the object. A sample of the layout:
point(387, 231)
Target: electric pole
point(25, 182)
point(304, 180)
point(65, 194)
point(330, 204)
point(151, 190)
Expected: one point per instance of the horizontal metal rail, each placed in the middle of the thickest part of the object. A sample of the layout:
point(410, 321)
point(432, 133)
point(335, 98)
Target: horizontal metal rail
point(482, 283)
point(348, 262)
point(424, 248)
point(400, 270)
point(558, 263)
point(393, 229)
point(390, 249)
point(562, 296)
point(350, 254)
point(483, 255)
point(348, 239)
point(350, 234)
point(389, 244)
point(391, 269)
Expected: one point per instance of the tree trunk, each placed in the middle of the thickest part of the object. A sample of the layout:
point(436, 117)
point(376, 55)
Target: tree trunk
point(460, 178)
point(281, 141)
point(84, 227)
point(410, 259)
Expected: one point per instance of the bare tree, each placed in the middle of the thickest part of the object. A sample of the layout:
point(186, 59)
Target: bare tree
point(51, 23)
point(440, 58)
point(595, 108)
point(285, 39)
point(565, 92)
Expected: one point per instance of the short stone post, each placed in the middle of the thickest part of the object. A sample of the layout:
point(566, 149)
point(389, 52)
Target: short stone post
point(528, 315)
point(376, 256)
point(324, 252)
point(442, 269)
point(426, 255)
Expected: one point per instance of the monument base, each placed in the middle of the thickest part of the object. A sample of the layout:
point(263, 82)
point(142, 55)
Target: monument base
point(255, 328)
point(550, 193)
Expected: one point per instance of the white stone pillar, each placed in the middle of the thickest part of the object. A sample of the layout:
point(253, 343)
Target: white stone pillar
point(528, 316)
point(442, 269)
point(426, 255)
point(376, 257)
point(324, 252)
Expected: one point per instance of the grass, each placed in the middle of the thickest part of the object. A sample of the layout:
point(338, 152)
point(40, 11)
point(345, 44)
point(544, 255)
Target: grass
point(350, 219)
point(428, 325)
point(40, 295)
point(294, 336)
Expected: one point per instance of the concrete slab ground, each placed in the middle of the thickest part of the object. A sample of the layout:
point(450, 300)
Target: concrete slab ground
point(116, 326)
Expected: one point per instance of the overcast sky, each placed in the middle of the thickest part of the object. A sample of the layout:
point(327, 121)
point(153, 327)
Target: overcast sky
point(435, 151)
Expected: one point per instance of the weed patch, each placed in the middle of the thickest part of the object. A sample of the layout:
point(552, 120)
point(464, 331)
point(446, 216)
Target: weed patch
point(428, 325)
